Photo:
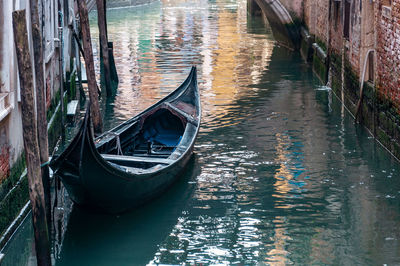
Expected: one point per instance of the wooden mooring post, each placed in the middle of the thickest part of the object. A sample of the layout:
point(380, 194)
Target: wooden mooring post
point(102, 23)
point(41, 104)
point(91, 76)
point(61, 77)
point(31, 146)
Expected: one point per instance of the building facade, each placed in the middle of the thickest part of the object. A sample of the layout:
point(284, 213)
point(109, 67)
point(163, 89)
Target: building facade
point(59, 64)
point(355, 46)
point(361, 39)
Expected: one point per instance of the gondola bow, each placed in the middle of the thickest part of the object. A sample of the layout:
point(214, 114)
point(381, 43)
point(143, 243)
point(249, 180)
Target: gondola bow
point(137, 160)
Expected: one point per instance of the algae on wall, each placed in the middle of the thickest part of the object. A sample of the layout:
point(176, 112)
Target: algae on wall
point(14, 193)
point(377, 113)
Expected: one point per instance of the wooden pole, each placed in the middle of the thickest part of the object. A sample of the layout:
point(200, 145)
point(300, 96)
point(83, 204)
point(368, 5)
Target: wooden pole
point(101, 19)
point(77, 40)
point(91, 76)
point(41, 104)
point(105, 16)
point(78, 64)
point(61, 76)
point(36, 192)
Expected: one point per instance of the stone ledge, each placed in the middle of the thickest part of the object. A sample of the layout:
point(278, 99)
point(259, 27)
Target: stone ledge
point(319, 52)
point(14, 226)
point(5, 107)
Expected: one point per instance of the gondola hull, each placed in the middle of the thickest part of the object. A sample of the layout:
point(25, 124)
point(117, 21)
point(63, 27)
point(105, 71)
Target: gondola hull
point(113, 172)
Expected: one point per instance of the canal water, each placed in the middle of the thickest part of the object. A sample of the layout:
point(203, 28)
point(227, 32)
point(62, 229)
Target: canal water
point(281, 175)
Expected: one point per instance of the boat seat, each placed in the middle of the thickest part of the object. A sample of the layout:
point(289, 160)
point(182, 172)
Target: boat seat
point(168, 140)
point(122, 158)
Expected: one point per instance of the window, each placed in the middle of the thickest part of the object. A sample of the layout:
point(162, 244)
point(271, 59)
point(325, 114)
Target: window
point(346, 26)
point(371, 70)
point(48, 28)
point(336, 12)
point(386, 8)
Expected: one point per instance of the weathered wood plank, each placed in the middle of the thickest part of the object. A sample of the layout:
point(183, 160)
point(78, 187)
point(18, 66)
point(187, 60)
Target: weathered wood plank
point(122, 158)
point(31, 146)
point(41, 103)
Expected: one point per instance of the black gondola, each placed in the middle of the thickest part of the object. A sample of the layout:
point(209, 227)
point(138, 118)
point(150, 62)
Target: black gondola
point(137, 160)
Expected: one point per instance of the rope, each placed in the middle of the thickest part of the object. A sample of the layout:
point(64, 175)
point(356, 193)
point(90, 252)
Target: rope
point(119, 145)
point(118, 142)
point(44, 164)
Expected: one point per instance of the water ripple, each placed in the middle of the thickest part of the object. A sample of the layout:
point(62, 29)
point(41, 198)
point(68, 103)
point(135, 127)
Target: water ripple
point(284, 176)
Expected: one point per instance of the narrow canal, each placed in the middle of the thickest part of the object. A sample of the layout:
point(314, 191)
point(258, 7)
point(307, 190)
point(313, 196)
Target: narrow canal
point(280, 175)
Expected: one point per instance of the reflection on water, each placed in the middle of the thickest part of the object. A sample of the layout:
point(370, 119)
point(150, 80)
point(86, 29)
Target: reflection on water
point(156, 44)
point(281, 174)
point(284, 176)
point(130, 238)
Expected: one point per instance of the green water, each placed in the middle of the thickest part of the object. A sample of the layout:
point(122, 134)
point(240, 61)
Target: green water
point(280, 175)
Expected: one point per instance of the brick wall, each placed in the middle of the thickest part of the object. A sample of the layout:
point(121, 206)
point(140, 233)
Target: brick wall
point(355, 36)
point(321, 27)
point(48, 91)
point(4, 154)
point(388, 51)
point(373, 31)
point(309, 15)
point(316, 15)
point(336, 27)
point(4, 163)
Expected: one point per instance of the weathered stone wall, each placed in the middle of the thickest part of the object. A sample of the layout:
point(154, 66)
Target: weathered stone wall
point(4, 161)
point(388, 51)
point(355, 35)
point(13, 183)
point(321, 20)
point(369, 55)
point(374, 29)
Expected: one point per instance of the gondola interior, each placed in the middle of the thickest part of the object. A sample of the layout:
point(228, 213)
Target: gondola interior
point(147, 142)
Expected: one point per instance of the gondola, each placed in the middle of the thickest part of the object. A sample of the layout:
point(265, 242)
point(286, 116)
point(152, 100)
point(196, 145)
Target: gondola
point(135, 161)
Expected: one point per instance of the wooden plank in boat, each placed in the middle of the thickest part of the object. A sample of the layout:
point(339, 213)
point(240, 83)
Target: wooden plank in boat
point(113, 157)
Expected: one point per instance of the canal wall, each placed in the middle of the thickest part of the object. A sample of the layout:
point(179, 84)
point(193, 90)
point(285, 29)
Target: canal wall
point(14, 194)
point(355, 46)
point(360, 40)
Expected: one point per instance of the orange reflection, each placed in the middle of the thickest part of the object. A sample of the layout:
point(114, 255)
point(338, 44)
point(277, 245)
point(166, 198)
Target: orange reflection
point(152, 54)
point(278, 255)
point(229, 66)
point(283, 175)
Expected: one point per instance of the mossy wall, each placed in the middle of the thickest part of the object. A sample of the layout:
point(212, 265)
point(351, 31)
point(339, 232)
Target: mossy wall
point(14, 192)
point(336, 73)
point(377, 112)
point(12, 200)
point(320, 68)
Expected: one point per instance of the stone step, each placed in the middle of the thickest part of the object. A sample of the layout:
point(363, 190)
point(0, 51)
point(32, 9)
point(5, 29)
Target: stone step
point(72, 109)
